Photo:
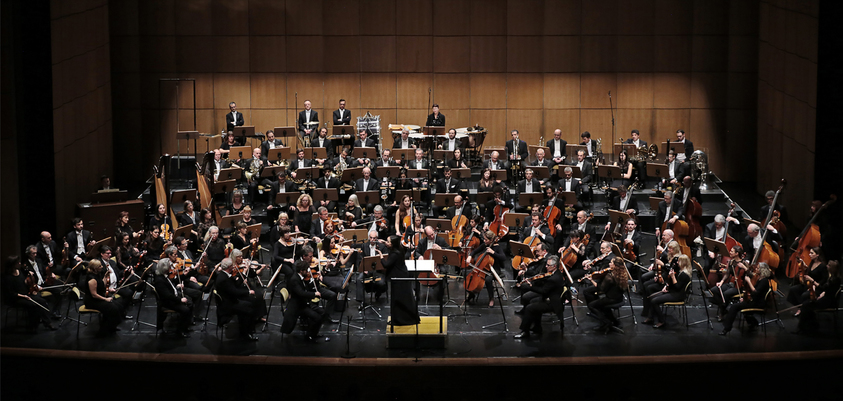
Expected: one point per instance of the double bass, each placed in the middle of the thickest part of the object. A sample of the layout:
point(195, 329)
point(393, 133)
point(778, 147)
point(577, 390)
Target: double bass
point(808, 238)
point(765, 253)
point(551, 215)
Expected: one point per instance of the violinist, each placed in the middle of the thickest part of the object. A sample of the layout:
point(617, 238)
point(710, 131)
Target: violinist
point(127, 255)
point(662, 269)
point(275, 232)
point(674, 290)
point(491, 248)
point(597, 264)
point(160, 218)
point(214, 247)
point(757, 299)
point(250, 271)
point(17, 293)
point(370, 281)
point(630, 241)
point(171, 296)
point(661, 254)
point(115, 276)
point(536, 267)
point(318, 226)
point(38, 275)
point(236, 298)
point(548, 297)
point(283, 252)
point(98, 297)
point(332, 249)
point(612, 287)
point(242, 238)
point(122, 226)
point(752, 242)
point(376, 221)
point(824, 298)
point(78, 240)
point(725, 289)
point(352, 211)
point(49, 254)
point(537, 229)
point(206, 221)
point(194, 279)
point(155, 245)
point(575, 243)
point(300, 304)
point(329, 294)
point(814, 271)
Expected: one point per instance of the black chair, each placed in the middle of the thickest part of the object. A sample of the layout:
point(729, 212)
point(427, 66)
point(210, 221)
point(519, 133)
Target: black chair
point(683, 303)
point(161, 313)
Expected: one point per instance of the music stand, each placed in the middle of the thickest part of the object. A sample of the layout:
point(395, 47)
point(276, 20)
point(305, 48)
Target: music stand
point(95, 249)
point(445, 200)
point(342, 130)
point(186, 135)
point(351, 174)
point(573, 149)
point(657, 170)
point(231, 173)
point(279, 154)
point(521, 249)
point(316, 153)
point(567, 197)
point(715, 246)
point(389, 172)
point(372, 264)
point(616, 217)
point(362, 234)
point(183, 231)
point(630, 148)
point(244, 131)
point(308, 173)
point(447, 257)
point(285, 132)
point(440, 225)
point(286, 198)
point(405, 155)
point(608, 172)
point(530, 199)
point(230, 220)
point(368, 197)
point(224, 187)
point(364, 153)
point(654, 205)
point(434, 130)
point(517, 220)
point(272, 171)
point(498, 175)
point(461, 173)
point(667, 146)
point(326, 194)
point(482, 197)
point(539, 172)
point(240, 152)
point(254, 230)
point(440, 154)
point(178, 197)
point(315, 215)
point(413, 194)
point(576, 172)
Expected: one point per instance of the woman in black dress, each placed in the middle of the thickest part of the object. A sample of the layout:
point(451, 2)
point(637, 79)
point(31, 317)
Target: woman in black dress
point(284, 252)
point(214, 247)
point(97, 298)
point(127, 254)
point(17, 293)
point(612, 287)
point(122, 226)
point(275, 231)
point(815, 271)
point(160, 218)
point(237, 203)
point(825, 297)
point(673, 291)
point(403, 306)
point(304, 214)
point(625, 166)
point(155, 245)
point(206, 220)
point(457, 161)
point(403, 181)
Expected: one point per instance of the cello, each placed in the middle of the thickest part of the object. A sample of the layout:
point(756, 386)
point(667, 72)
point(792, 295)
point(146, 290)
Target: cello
point(551, 215)
point(808, 238)
point(467, 246)
point(680, 228)
point(569, 255)
point(693, 213)
point(497, 226)
point(458, 223)
point(476, 279)
point(517, 260)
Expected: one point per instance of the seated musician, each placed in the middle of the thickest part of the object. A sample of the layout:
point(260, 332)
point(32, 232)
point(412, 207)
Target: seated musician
point(284, 252)
point(557, 147)
point(498, 199)
point(630, 244)
point(254, 166)
point(570, 184)
point(490, 248)
point(674, 290)
point(49, 254)
point(187, 217)
point(282, 185)
point(329, 293)
point(193, 278)
point(590, 146)
point(327, 181)
point(516, 151)
point(17, 293)
point(625, 166)
point(716, 230)
point(430, 241)
point(160, 218)
point(375, 221)
point(451, 142)
point(494, 162)
point(542, 162)
point(661, 254)
point(37, 272)
point(576, 243)
point(404, 141)
point(242, 238)
point(824, 298)
point(187, 281)
point(322, 141)
point(725, 289)
point(527, 186)
point(237, 204)
point(364, 141)
point(670, 211)
point(675, 171)
point(403, 182)
point(116, 277)
point(300, 304)
point(367, 184)
point(549, 298)
point(536, 267)
point(419, 163)
point(270, 143)
point(331, 247)
point(636, 139)
point(599, 263)
point(351, 212)
point(317, 226)
point(368, 281)
point(537, 229)
point(155, 245)
point(171, 296)
point(229, 141)
point(238, 299)
point(126, 255)
point(458, 161)
point(344, 158)
point(814, 272)
point(587, 172)
point(657, 282)
point(212, 169)
point(300, 162)
point(214, 247)
point(689, 191)
point(385, 160)
point(624, 203)
point(99, 298)
point(612, 286)
point(447, 185)
point(752, 242)
point(402, 217)
point(460, 208)
point(757, 298)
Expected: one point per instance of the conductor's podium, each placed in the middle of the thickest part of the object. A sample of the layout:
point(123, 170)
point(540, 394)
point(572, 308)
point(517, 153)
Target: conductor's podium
point(429, 335)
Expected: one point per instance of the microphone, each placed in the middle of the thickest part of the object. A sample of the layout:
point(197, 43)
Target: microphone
point(429, 89)
point(610, 93)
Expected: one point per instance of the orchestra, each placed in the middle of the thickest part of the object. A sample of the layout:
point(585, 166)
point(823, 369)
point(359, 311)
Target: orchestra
point(315, 247)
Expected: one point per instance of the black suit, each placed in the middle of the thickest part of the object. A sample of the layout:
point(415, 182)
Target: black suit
point(299, 304)
point(521, 151)
point(695, 193)
point(72, 243)
point(586, 170)
point(236, 300)
point(438, 121)
point(640, 142)
point(576, 186)
point(412, 165)
point(689, 148)
point(676, 207)
point(772, 238)
point(42, 257)
point(314, 117)
point(294, 165)
point(370, 143)
point(551, 291)
point(593, 148)
point(398, 142)
point(680, 170)
point(367, 281)
point(169, 298)
point(526, 231)
point(563, 144)
point(521, 188)
point(265, 146)
point(327, 144)
point(231, 121)
point(344, 119)
point(632, 204)
point(446, 141)
point(488, 164)
point(453, 187)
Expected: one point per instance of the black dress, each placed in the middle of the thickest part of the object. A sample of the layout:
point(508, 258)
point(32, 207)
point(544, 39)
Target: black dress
point(303, 219)
point(112, 312)
point(404, 310)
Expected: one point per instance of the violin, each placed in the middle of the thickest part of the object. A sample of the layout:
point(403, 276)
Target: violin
point(596, 274)
point(166, 233)
point(529, 280)
point(343, 250)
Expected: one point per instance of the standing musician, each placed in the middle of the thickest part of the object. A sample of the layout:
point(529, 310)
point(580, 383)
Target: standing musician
point(536, 267)
point(435, 119)
point(308, 120)
point(674, 290)
point(549, 298)
point(757, 299)
point(686, 153)
point(558, 148)
point(404, 141)
point(78, 240)
point(19, 294)
point(237, 298)
point(725, 289)
point(369, 281)
point(612, 287)
point(670, 210)
point(825, 291)
point(516, 152)
point(591, 266)
point(171, 296)
point(303, 291)
point(234, 118)
point(341, 115)
point(491, 247)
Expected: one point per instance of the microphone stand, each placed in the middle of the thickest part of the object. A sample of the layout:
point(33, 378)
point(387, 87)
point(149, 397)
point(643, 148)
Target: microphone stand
point(612, 110)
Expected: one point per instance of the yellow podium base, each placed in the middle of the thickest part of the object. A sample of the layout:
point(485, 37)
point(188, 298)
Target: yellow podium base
point(428, 333)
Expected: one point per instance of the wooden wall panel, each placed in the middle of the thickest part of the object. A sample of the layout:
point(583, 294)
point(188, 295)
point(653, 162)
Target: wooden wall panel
point(600, 17)
point(521, 18)
point(567, 120)
point(562, 17)
point(707, 90)
point(627, 120)
point(378, 91)
point(495, 123)
point(706, 124)
point(743, 54)
point(709, 53)
point(450, 54)
point(413, 90)
point(561, 91)
point(741, 89)
point(157, 53)
point(268, 53)
point(488, 91)
point(673, 17)
point(342, 86)
point(634, 91)
point(670, 120)
point(267, 17)
point(451, 17)
point(341, 17)
point(488, 17)
point(527, 122)
point(524, 91)
point(413, 116)
point(309, 87)
point(193, 17)
point(268, 91)
point(414, 54)
point(635, 17)
point(380, 17)
point(230, 17)
point(231, 53)
point(377, 53)
point(305, 53)
point(156, 17)
point(195, 53)
point(561, 54)
point(672, 90)
point(596, 88)
point(264, 120)
point(231, 88)
point(598, 122)
point(452, 91)
point(304, 18)
point(460, 118)
point(711, 17)
point(599, 53)
point(342, 54)
point(524, 54)
point(672, 53)
point(488, 53)
point(635, 53)
point(414, 17)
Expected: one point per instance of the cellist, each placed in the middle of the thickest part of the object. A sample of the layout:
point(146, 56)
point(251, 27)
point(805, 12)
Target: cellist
point(717, 230)
point(752, 242)
point(536, 229)
point(493, 249)
point(536, 267)
point(498, 199)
